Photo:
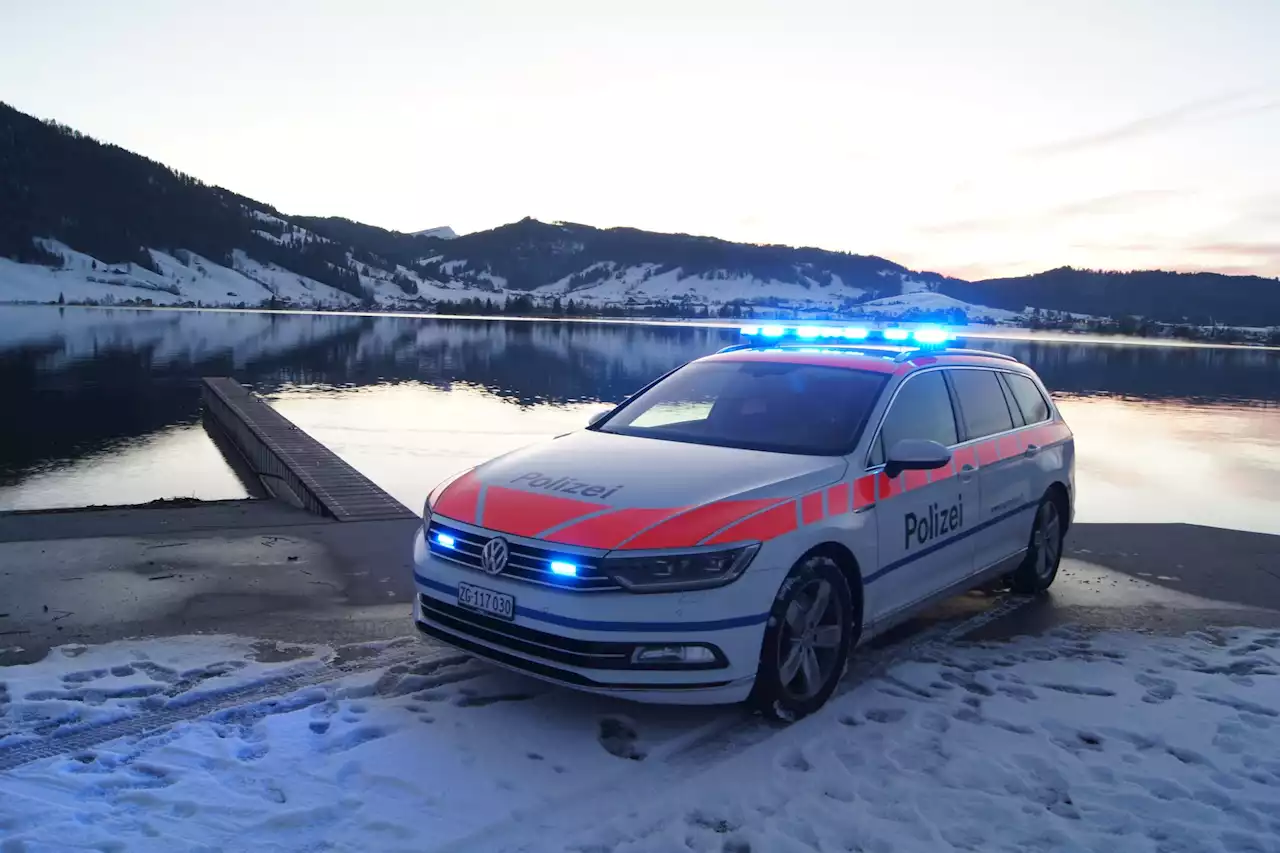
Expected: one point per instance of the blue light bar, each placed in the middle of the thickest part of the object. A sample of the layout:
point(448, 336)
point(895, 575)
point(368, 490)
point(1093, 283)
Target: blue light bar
point(446, 540)
point(921, 336)
point(568, 570)
point(931, 335)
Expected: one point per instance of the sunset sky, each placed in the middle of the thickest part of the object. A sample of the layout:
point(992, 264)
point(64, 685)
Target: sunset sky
point(976, 139)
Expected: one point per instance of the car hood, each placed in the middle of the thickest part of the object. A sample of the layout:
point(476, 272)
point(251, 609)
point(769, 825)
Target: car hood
point(602, 490)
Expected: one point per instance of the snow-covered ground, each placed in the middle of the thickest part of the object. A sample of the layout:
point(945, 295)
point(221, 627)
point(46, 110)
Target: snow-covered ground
point(923, 300)
point(1069, 741)
point(184, 278)
point(190, 279)
point(613, 284)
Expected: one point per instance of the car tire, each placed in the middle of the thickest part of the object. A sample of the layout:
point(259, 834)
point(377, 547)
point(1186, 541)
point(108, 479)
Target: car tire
point(807, 639)
point(1044, 550)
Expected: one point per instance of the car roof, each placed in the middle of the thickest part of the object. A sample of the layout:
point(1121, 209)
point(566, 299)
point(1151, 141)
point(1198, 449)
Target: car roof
point(870, 358)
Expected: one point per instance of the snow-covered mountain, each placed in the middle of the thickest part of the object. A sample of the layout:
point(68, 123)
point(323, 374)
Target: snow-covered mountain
point(90, 222)
point(81, 221)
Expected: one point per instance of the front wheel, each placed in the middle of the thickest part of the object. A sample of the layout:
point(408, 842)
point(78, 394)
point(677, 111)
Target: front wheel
point(806, 642)
point(1044, 552)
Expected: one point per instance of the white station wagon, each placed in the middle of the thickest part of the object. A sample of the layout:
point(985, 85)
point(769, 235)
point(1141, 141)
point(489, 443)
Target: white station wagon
point(734, 529)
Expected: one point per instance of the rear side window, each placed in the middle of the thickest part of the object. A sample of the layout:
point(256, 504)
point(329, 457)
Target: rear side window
point(1032, 403)
point(922, 409)
point(1018, 420)
point(982, 403)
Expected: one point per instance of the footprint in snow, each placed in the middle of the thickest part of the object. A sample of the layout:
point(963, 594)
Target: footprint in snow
point(253, 752)
point(886, 715)
point(84, 676)
point(1158, 689)
point(618, 736)
point(793, 759)
point(354, 738)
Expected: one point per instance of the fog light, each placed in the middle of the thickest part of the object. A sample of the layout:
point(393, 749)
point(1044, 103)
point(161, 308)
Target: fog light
point(567, 570)
point(679, 655)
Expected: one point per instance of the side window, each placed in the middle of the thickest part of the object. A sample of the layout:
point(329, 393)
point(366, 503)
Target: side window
point(922, 409)
point(877, 451)
point(1018, 420)
point(1032, 403)
point(982, 403)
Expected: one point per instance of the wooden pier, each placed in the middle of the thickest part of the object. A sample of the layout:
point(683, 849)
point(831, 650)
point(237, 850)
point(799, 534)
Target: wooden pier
point(292, 465)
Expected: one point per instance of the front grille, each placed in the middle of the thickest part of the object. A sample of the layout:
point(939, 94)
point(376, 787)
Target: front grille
point(525, 563)
point(584, 654)
point(565, 676)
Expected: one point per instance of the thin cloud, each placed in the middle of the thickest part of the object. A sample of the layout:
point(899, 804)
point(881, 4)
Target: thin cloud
point(1259, 250)
point(1101, 205)
point(1160, 122)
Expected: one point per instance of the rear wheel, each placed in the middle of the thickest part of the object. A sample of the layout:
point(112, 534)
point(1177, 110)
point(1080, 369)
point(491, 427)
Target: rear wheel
point(806, 642)
point(1044, 553)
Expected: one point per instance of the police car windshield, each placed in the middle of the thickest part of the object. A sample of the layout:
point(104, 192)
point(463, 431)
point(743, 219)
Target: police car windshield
point(777, 407)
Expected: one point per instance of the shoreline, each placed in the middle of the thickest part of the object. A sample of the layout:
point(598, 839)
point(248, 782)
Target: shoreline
point(983, 331)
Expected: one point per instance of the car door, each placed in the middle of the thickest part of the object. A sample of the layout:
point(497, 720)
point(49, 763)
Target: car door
point(921, 516)
point(1026, 399)
point(993, 443)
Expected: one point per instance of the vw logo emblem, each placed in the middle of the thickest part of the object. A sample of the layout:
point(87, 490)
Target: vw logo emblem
point(493, 557)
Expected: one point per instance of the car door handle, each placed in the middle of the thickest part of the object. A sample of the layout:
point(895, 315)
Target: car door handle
point(1032, 450)
point(966, 473)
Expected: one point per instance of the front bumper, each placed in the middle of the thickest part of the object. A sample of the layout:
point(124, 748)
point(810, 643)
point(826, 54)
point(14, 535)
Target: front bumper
point(585, 640)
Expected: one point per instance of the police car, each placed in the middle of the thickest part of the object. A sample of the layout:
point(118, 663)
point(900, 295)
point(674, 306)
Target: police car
point(734, 529)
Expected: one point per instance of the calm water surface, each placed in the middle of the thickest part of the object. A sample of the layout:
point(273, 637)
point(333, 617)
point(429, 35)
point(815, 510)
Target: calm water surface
point(102, 406)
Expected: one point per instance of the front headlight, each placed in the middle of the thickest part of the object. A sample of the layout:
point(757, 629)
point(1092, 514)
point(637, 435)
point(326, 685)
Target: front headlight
point(679, 571)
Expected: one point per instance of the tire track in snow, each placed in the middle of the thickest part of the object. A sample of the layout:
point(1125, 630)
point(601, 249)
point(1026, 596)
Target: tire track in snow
point(697, 751)
point(80, 738)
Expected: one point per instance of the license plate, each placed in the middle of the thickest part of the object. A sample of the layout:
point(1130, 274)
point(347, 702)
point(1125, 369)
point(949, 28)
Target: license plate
point(487, 601)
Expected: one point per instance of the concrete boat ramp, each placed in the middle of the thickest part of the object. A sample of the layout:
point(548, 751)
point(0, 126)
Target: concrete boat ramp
point(325, 557)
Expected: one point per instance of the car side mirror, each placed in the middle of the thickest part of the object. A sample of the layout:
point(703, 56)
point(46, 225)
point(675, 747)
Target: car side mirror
point(595, 419)
point(916, 454)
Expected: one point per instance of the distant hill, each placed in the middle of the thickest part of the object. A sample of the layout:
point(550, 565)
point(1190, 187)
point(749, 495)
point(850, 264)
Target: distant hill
point(85, 221)
point(89, 221)
point(1196, 298)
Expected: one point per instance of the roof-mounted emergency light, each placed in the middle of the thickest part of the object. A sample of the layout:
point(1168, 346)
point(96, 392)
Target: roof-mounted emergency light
point(918, 336)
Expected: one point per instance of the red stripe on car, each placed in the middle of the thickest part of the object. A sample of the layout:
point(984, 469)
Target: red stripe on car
point(460, 498)
point(612, 528)
point(527, 514)
point(988, 453)
point(811, 508)
point(914, 480)
point(689, 528)
point(760, 527)
point(838, 499)
point(864, 491)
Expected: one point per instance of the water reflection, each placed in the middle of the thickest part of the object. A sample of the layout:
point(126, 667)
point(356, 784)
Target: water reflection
point(407, 400)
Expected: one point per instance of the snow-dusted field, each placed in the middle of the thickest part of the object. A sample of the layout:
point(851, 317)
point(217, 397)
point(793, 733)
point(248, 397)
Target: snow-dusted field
point(1069, 742)
point(183, 278)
